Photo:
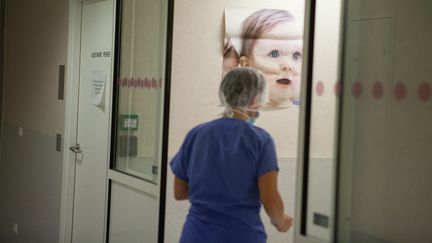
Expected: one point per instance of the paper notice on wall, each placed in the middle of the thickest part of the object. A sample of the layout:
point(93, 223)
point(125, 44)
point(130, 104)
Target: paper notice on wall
point(98, 88)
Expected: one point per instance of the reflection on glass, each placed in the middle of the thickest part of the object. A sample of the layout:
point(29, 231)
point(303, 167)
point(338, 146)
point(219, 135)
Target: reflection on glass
point(140, 88)
point(386, 133)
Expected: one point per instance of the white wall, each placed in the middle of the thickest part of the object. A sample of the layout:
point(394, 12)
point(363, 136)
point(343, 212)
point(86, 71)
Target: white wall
point(134, 215)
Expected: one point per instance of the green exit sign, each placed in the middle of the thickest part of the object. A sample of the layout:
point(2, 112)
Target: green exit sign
point(129, 122)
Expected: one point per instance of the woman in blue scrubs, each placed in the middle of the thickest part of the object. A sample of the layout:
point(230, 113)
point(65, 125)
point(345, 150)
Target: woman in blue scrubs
point(227, 168)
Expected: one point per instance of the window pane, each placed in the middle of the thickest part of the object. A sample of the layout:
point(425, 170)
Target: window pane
point(140, 88)
point(321, 163)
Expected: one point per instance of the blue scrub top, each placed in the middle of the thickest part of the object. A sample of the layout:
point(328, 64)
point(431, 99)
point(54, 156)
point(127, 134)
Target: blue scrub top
point(221, 161)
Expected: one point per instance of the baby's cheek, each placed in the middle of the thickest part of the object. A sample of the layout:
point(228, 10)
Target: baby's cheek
point(297, 66)
point(266, 66)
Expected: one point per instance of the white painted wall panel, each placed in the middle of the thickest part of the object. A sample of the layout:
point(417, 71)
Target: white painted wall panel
point(134, 216)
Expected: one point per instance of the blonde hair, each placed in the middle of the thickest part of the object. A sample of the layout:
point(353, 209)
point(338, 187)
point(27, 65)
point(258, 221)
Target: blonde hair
point(258, 23)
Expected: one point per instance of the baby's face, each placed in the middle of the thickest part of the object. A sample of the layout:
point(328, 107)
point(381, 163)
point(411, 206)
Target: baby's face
point(278, 54)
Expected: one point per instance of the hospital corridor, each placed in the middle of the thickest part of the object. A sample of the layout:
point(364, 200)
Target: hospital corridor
point(121, 121)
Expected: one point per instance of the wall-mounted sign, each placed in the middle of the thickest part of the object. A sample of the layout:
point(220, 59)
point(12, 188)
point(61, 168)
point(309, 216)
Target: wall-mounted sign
point(99, 54)
point(98, 88)
point(128, 122)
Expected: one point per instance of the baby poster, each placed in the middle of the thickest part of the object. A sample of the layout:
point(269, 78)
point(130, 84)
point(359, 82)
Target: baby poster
point(270, 40)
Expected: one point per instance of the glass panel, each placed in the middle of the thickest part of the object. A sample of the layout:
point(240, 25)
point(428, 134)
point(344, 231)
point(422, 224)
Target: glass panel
point(140, 88)
point(320, 166)
point(385, 164)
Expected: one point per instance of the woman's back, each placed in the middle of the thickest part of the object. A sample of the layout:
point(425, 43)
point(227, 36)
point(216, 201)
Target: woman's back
point(221, 160)
point(227, 167)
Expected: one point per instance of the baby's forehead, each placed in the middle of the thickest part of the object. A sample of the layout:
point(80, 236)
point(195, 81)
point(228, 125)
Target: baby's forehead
point(263, 46)
point(289, 30)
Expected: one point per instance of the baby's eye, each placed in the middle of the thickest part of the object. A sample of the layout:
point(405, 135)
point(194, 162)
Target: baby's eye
point(296, 55)
point(274, 54)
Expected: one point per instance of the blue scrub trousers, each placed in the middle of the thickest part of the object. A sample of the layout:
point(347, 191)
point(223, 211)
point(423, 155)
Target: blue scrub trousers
point(198, 231)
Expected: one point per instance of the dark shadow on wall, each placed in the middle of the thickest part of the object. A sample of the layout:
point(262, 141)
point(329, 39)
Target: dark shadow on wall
point(2, 20)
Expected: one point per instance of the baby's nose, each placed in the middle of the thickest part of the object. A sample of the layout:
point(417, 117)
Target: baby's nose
point(286, 67)
point(290, 67)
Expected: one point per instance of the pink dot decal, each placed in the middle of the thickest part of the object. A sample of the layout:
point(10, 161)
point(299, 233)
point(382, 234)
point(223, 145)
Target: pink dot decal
point(147, 83)
point(400, 91)
point(320, 88)
point(153, 83)
point(424, 92)
point(142, 83)
point(357, 89)
point(338, 88)
point(124, 82)
point(377, 90)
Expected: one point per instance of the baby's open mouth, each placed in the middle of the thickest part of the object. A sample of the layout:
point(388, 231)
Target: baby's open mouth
point(284, 81)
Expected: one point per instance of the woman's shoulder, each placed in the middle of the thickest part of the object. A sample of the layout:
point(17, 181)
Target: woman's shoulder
point(203, 126)
point(262, 133)
point(221, 123)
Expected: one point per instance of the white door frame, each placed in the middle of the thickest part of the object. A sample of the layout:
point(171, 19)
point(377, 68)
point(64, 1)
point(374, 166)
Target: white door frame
point(70, 133)
point(71, 115)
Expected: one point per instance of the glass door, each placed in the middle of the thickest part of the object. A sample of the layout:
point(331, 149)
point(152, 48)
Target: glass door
point(386, 113)
point(140, 121)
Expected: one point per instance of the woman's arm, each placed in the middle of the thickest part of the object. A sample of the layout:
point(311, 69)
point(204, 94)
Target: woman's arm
point(181, 189)
point(272, 201)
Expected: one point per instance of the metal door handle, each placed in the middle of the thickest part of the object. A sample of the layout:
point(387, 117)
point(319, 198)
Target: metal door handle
point(76, 149)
